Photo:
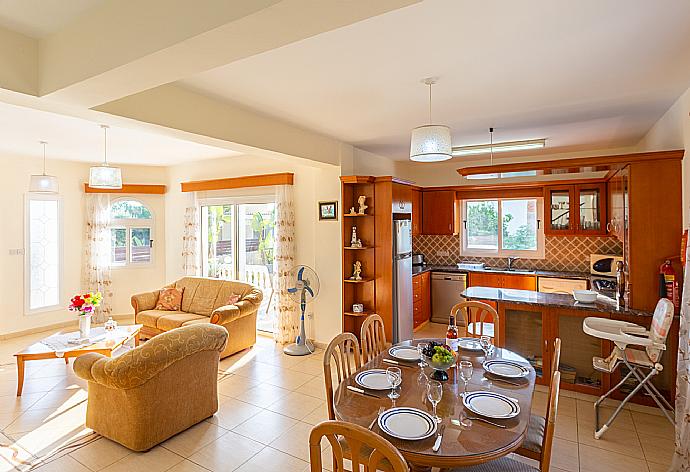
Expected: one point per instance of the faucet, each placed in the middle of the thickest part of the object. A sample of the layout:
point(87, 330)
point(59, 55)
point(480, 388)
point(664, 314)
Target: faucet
point(511, 259)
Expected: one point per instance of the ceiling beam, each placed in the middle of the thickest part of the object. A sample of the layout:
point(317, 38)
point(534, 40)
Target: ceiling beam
point(18, 62)
point(124, 47)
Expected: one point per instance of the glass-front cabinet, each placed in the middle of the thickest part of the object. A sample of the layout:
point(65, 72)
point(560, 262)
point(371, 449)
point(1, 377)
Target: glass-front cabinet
point(559, 214)
point(576, 209)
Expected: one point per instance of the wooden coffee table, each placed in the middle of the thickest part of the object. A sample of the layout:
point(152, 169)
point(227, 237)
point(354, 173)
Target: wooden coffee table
point(41, 351)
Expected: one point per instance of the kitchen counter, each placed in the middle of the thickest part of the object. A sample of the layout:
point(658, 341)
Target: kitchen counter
point(549, 300)
point(539, 273)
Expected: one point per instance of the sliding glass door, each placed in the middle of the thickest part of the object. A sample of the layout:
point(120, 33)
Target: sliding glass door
point(237, 244)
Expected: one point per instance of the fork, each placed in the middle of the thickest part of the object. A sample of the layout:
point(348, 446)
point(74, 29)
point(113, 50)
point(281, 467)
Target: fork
point(373, 422)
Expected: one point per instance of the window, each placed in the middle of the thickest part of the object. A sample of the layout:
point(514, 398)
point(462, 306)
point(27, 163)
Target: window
point(43, 257)
point(131, 233)
point(503, 227)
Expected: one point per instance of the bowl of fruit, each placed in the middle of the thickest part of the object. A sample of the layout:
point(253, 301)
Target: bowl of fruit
point(440, 357)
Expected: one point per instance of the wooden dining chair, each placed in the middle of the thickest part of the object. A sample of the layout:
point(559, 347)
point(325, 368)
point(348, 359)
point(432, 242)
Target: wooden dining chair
point(532, 447)
point(506, 464)
point(480, 318)
point(341, 359)
point(369, 450)
point(373, 337)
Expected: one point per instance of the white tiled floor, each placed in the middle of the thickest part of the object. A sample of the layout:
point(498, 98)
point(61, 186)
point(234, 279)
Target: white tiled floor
point(268, 404)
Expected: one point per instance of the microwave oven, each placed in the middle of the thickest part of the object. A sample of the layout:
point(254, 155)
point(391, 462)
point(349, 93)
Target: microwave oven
point(604, 265)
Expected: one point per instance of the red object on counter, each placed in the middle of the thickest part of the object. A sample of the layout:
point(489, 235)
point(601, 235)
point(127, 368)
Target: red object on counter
point(668, 276)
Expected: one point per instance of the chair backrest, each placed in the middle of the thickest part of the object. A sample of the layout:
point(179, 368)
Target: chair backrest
point(373, 337)
point(551, 415)
point(556, 358)
point(478, 316)
point(342, 359)
point(661, 324)
point(383, 455)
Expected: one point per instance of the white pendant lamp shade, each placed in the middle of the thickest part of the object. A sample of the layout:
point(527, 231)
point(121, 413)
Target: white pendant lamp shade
point(104, 176)
point(43, 183)
point(431, 143)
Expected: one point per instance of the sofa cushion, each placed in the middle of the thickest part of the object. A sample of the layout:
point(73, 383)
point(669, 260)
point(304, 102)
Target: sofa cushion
point(172, 321)
point(150, 317)
point(200, 294)
point(170, 299)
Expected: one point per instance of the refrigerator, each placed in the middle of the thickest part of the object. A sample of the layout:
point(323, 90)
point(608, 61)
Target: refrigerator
point(403, 322)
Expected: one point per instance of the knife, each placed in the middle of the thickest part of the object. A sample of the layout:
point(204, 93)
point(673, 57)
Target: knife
point(391, 361)
point(360, 391)
point(439, 438)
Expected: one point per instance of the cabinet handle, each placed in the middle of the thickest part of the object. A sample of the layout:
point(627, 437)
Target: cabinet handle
point(608, 227)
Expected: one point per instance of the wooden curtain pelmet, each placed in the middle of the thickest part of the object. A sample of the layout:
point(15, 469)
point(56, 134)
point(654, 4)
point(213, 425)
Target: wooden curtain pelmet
point(284, 178)
point(130, 188)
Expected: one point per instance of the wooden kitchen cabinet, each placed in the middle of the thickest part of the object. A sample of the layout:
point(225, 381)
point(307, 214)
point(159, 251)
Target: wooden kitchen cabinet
point(502, 280)
point(438, 212)
point(618, 205)
point(416, 212)
point(402, 198)
point(575, 209)
point(519, 281)
point(421, 296)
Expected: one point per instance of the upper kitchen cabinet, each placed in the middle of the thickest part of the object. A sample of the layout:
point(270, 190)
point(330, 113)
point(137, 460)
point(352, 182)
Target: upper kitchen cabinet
point(439, 212)
point(618, 205)
point(575, 209)
point(416, 212)
point(402, 198)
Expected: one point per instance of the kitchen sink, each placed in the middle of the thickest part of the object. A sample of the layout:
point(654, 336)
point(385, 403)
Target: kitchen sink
point(510, 271)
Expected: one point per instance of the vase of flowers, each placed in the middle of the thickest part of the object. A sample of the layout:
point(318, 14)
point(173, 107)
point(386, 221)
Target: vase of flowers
point(85, 305)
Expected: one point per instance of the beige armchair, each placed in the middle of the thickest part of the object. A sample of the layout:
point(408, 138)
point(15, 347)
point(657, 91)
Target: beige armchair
point(156, 390)
point(204, 300)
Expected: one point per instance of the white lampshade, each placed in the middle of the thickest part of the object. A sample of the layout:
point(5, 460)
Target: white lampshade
point(106, 177)
point(431, 143)
point(43, 184)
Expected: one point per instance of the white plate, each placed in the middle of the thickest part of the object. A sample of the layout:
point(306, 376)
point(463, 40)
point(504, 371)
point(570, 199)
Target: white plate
point(407, 423)
point(508, 369)
point(491, 405)
point(469, 344)
point(404, 353)
point(374, 379)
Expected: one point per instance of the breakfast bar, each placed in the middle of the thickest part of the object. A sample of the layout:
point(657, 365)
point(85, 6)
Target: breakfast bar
point(529, 322)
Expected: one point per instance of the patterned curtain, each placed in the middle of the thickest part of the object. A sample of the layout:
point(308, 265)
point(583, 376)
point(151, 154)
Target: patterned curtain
point(96, 263)
point(287, 320)
point(681, 457)
point(191, 238)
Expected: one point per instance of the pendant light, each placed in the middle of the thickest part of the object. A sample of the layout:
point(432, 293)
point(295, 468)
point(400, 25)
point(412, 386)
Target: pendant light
point(430, 143)
point(105, 176)
point(43, 183)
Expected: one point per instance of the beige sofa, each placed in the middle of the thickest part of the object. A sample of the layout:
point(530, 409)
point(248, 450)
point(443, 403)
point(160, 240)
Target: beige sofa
point(156, 390)
point(204, 300)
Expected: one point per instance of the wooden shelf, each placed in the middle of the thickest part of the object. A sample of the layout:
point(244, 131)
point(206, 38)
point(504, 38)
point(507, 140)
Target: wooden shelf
point(350, 281)
point(358, 315)
point(354, 215)
point(358, 248)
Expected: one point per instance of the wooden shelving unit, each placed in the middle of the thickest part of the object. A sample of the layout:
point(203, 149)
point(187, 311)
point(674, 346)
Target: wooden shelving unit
point(358, 291)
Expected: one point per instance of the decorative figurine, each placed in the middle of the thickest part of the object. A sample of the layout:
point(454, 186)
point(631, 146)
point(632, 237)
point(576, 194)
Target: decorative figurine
point(357, 308)
point(357, 271)
point(362, 206)
point(352, 211)
point(353, 241)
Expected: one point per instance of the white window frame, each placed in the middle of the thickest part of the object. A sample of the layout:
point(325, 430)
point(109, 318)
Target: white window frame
point(129, 224)
point(27, 254)
point(539, 253)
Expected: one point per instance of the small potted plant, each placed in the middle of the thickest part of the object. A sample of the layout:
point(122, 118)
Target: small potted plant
point(85, 305)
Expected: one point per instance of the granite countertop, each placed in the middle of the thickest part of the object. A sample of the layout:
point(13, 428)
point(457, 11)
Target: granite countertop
point(551, 300)
point(539, 273)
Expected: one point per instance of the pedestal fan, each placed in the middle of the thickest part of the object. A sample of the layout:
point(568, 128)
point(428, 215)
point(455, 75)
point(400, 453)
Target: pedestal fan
point(304, 291)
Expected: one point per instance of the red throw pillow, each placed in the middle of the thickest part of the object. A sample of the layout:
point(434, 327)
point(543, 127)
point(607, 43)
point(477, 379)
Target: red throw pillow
point(170, 299)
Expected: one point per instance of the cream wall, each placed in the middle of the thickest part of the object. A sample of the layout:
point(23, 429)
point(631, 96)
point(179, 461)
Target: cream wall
point(317, 242)
point(672, 131)
point(71, 175)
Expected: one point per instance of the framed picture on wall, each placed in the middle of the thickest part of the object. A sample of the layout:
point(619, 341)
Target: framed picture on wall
point(328, 210)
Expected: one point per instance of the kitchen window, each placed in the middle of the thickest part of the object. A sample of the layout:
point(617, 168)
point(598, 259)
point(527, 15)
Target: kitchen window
point(503, 227)
point(131, 233)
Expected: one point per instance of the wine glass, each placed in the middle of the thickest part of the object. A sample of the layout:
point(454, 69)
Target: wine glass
point(485, 343)
point(434, 392)
point(394, 376)
point(466, 370)
point(420, 349)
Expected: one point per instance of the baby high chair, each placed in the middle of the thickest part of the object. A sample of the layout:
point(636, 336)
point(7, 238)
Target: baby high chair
point(637, 361)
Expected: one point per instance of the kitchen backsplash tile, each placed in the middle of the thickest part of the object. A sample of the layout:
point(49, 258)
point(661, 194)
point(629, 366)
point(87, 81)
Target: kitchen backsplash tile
point(563, 253)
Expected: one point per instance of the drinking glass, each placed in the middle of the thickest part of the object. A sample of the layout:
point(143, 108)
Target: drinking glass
point(394, 376)
point(466, 370)
point(434, 392)
point(485, 343)
point(420, 348)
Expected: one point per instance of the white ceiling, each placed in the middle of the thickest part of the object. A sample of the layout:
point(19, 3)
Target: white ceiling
point(76, 139)
point(590, 74)
point(41, 18)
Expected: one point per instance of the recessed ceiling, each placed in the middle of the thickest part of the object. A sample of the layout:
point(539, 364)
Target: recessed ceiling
point(592, 74)
point(76, 139)
point(41, 18)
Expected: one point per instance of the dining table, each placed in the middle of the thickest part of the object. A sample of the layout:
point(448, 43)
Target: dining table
point(463, 442)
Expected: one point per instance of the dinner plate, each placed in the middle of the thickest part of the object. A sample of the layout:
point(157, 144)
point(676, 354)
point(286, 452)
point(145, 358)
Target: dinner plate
point(404, 353)
point(407, 423)
point(491, 405)
point(469, 344)
point(374, 379)
point(507, 369)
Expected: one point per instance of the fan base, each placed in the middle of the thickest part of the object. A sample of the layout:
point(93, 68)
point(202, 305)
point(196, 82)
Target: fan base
point(295, 349)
